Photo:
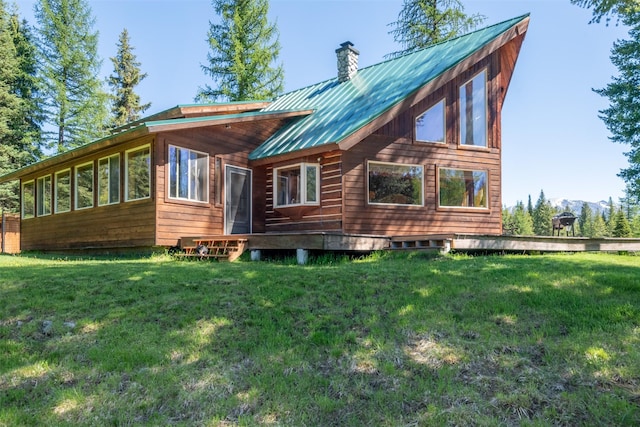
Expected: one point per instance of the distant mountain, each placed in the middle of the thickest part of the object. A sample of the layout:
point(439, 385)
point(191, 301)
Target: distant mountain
point(575, 206)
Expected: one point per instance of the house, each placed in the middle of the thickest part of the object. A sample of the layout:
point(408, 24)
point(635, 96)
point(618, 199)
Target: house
point(409, 146)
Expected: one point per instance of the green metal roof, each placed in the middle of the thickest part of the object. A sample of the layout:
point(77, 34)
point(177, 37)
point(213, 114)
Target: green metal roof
point(343, 108)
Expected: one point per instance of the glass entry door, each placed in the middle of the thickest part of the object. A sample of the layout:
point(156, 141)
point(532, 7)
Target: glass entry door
point(237, 210)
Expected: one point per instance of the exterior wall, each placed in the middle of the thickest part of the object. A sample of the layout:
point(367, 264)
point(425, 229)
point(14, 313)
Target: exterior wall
point(327, 216)
point(395, 143)
point(121, 225)
point(231, 145)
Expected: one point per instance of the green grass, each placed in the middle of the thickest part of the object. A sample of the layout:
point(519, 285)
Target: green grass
point(386, 340)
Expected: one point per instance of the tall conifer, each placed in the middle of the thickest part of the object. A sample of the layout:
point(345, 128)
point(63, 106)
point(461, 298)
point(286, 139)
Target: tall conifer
point(125, 102)
point(244, 49)
point(76, 104)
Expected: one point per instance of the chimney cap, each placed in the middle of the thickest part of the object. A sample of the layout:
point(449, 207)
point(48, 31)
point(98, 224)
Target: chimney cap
point(347, 45)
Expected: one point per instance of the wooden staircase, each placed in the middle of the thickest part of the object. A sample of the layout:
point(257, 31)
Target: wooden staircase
point(222, 248)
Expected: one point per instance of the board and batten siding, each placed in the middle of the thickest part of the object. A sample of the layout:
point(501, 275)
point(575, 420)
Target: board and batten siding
point(122, 225)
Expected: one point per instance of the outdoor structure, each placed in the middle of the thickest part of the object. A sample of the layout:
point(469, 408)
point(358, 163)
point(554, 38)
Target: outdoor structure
point(410, 146)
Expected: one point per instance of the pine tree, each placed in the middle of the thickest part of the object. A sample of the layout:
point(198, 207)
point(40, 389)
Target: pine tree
point(125, 103)
point(599, 226)
point(76, 105)
point(522, 221)
point(530, 207)
point(606, 8)
point(542, 216)
point(19, 130)
point(422, 23)
point(621, 226)
point(243, 48)
point(611, 217)
point(585, 220)
point(622, 117)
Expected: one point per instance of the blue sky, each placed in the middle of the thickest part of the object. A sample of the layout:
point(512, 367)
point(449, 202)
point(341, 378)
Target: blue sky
point(552, 137)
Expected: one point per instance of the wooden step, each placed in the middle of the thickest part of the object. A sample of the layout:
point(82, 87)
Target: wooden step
point(220, 248)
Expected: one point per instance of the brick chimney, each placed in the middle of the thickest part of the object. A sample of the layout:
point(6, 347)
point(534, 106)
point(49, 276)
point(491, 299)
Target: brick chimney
point(347, 61)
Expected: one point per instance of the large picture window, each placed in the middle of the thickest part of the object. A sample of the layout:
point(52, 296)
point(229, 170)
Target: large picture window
point(430, 125)
point(28, 200)
point(473, 111)
point(43, 193)
point(62, 191)
point(84, 186)
point(396, 184)
point(188, 174)
point(463, 188)
point(138, 173)
point(297, 185)
point(109, 180)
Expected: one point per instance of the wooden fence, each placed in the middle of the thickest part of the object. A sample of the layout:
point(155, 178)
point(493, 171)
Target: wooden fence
point(10, 233)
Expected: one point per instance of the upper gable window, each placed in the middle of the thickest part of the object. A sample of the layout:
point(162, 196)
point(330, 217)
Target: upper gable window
point(188, 175)
point(473, 111)
point(297, 185)
point(430, 125)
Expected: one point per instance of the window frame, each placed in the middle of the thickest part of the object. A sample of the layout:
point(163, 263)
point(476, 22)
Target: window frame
point(486, 207)
point(205, 181)
point(126, 172)
point(77, 187)
point(442, 101)
point(41, 192)
point(33, 200)
point(56, 209)
point(109, 183)
point(408, 165)
point(463, 113)
point(303, 167)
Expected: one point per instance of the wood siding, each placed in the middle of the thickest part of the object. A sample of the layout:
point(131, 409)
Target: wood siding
point(121, 225)
point(232, 144)
point(327, 216)
point(10, 233)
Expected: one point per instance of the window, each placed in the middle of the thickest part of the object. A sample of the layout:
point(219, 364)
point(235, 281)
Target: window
point(430, 125)
point(396, 184)
point(138, 178)
point(109, 180)
point(473, 111)
point(297, 185)
point(188, 174)
point(463, 188)
point(62, 191)
point(43, 195)
point(84, 186)
point(28, 200)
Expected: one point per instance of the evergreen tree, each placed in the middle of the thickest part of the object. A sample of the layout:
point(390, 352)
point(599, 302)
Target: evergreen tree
point(621, 226)
point(610, 217)
point(244, 47)
point(542, 216)
point(508, 226)
point(422, 23)
point(599, 226)
point(530, 206)
point(76, 105)
point(635, 226)
point(606, 8)
point(630, 204)
point(125, 103)
point(585, 220)
point(19, 130)
point(622, 117)
point(522, 221)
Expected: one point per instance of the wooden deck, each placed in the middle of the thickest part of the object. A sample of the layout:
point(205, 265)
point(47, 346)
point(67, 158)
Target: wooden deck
point(231, 247)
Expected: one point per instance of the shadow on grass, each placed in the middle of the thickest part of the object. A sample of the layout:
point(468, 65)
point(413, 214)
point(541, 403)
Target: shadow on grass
point(384, 341)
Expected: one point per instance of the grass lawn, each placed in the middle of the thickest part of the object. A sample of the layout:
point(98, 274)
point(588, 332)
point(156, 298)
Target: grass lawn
point(387, 340)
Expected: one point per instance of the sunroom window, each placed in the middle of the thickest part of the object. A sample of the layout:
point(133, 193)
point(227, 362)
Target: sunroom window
point(297, 185)
point(62, 191)
point(84, 186)
point(395, 184)
point(473, 111)
point(28, 200)
point(43, 192)
point(188, 174)
point(463, 188)
point(109, 180)
point(138, 173)
point(430, 125)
